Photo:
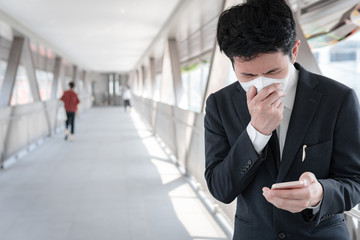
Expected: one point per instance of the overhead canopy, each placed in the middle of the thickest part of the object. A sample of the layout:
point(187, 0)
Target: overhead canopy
point(105, 36)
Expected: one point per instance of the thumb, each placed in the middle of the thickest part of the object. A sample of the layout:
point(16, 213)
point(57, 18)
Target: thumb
point(251, 94)
point(308, 178)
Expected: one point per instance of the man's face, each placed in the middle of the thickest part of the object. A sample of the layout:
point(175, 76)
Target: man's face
point(270, 65)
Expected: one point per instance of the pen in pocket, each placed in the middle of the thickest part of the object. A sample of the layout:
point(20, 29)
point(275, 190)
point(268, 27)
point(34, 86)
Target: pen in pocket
point(303, 153)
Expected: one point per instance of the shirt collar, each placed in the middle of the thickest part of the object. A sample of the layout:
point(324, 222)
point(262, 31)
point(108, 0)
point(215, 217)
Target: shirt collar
point(290, 89)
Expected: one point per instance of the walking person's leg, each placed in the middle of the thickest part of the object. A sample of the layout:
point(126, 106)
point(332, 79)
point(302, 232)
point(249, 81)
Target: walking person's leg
point(125, 104)
point(72, 123)
point(67, 122)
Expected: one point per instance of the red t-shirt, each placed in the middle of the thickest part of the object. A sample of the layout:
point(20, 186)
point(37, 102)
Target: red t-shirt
point(70, 100)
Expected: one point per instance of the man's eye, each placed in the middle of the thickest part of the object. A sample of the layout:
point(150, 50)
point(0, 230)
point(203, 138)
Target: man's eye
point(273, 73)
point(249, 75)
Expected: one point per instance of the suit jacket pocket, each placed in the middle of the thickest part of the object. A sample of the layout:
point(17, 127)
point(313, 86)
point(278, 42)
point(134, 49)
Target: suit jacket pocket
point(329, 223)
point(318, 150)
point(244, 220)
point(317, 159)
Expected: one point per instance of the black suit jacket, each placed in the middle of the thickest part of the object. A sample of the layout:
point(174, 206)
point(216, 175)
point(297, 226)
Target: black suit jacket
point(326, 118)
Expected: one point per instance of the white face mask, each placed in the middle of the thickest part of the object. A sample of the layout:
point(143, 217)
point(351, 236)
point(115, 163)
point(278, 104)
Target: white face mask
point(262, 82)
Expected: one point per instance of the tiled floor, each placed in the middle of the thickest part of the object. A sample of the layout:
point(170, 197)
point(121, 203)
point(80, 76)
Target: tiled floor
point(113, 182)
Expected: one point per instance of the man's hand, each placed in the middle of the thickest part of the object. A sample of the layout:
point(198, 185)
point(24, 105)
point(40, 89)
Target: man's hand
point(266, 108)
point(296, 200)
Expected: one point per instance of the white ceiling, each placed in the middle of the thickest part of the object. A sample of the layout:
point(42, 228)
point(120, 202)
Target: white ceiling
point(99, 35)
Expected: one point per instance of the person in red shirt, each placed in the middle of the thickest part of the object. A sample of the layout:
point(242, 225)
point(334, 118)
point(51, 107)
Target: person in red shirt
point(71, 101)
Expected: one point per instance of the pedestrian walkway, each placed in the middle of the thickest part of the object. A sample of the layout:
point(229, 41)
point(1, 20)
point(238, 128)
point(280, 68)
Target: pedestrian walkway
point(113, 182)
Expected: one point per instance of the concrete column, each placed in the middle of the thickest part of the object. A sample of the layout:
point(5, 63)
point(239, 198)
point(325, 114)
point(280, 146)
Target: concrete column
point(62, 78)
point(75, 77)
point(11, 71)
point(140, 81)
point(152, 73)
point(166, 85)
point(58, 71)
point(86, 80)
point(30, 70)
point(144, 92)
point(176, 70)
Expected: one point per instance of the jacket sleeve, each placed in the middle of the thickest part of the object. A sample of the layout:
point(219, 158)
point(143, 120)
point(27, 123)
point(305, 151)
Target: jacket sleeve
point(342, 187)
point(229, 169)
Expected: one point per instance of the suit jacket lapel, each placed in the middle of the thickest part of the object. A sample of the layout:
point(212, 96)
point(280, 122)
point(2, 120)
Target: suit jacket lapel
point(240, 105)
point(306, 103)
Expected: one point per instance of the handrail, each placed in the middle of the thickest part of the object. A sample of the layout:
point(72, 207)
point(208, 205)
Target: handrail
point(354, 214)
point(41, 109)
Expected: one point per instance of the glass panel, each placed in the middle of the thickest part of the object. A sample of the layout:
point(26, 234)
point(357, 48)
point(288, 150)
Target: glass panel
point(341, 61)
point(157, 86)
point(194, 77)
point(50, 78)
point(21, 92)
point(331, 29)
point(44, 80)
point(60, 91)
point(80, 87)
point(231, 77)
point(117, 88)
point(111, 85)
point(167, 84)
point(197, 86)
point(185, 78)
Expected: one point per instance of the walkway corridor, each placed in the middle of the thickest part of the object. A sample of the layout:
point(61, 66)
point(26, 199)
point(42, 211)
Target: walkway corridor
point(113, 182)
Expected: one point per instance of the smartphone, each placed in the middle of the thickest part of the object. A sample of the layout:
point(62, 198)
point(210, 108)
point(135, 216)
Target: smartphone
point(288, 185)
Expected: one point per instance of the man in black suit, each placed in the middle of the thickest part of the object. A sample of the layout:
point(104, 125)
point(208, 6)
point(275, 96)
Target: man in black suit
point(280, 123)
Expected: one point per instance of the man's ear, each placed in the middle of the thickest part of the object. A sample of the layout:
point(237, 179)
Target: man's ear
point(295, 51)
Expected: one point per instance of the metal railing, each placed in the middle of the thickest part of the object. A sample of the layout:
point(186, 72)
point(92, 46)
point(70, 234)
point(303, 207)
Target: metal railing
point(22, 126)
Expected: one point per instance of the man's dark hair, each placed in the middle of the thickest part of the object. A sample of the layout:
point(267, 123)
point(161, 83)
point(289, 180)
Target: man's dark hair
point(256, 27)
point(72, 84)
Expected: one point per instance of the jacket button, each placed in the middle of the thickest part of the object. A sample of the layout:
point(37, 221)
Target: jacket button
point(249, 162)
point(281, 235)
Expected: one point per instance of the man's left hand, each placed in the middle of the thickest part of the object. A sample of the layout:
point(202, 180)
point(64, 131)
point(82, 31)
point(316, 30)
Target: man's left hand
point(297, 199)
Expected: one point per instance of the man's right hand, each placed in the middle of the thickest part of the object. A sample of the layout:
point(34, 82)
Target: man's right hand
point(266, 108)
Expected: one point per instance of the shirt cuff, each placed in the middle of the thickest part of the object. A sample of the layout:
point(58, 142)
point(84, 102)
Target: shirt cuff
point(315, 209)
point(258, 139)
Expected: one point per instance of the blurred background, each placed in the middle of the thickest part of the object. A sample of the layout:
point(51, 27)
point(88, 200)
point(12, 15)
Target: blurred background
point(136, 175)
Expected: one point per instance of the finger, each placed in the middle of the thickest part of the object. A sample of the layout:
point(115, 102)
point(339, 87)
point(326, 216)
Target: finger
point(292, 205)
point(295, 194)
point(289, 204)
point(308, 178)
point(276, 104)
point(251, 94)
point(281, 107)
point(266, 91)
point(274, 97)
